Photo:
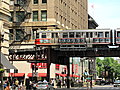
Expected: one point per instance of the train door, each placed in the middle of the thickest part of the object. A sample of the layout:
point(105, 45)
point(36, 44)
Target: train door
point(89, 39)
point(55, 37)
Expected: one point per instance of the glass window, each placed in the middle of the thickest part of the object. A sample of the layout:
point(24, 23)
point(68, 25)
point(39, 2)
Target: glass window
point(54, 35)
point(44, 15)
point(35, 15)
point(33, 34)
point(43, 35)
point(20, 16)
point(106, 34)
point(11, 34)
point(118, 34)
point(65, 35)
point(100, 34)
point(71, 34)
point(87, 34)
point(11, 17)
point(91, 34)
point(21, 2)
point(37, 35)
point(35, 1)
point(78, 35)
point(19, 34)
point(44, 1)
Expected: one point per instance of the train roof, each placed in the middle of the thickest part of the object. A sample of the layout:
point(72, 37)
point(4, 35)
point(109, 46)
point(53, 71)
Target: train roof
point(85, 30)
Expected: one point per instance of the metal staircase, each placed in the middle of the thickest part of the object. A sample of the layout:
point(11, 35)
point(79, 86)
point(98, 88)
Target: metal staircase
point(21, 6)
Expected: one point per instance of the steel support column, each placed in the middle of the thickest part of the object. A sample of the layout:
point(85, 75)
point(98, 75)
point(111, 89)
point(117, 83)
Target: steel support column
point(48, 63)
point(68, 72)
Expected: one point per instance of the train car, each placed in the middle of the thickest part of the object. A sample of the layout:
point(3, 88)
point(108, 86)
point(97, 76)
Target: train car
point(76, 38)
point(117, 36)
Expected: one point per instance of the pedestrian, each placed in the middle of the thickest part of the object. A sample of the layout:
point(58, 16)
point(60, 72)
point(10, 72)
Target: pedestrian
point(52, 82)
point(16, 83)
point(7, 85)
point(34, 86)
point(59, 83)
point(45, 81)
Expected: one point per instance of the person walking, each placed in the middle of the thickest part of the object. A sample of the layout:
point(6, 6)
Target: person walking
point(16, 84)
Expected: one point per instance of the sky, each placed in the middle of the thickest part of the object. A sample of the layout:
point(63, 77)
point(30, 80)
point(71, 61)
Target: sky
point(105, 12)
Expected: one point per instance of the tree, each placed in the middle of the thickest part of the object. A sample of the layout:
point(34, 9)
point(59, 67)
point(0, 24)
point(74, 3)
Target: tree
point(110, 65)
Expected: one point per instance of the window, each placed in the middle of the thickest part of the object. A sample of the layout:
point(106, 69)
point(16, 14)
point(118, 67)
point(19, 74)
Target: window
point(71, 34)
point(44, 1)
point(11, 17)
point(65, 35)
point(19, 34)
point(44, 15)
point(100, 34)
point(118, 34)
point(20, 16)
point(43, 35)
point(35, 15)
point(106, 34)
point(11, 34)
point(78, 34)
point(54, 35)
point(35, 1)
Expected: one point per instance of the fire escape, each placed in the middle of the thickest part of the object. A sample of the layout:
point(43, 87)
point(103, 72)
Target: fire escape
point(21, 14)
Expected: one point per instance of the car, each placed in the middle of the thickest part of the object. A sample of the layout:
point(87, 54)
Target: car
point(100, 81)
point(44, 86)
point(116, 83)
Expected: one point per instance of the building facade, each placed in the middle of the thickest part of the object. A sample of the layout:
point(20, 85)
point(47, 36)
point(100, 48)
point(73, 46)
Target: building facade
point(4, 26)
point(30, 16)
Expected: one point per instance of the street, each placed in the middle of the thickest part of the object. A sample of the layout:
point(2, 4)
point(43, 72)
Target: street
point(97, 87)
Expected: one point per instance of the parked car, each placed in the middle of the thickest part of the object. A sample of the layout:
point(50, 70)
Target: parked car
point(44, 86)
point(100, 82)
point(117, 83)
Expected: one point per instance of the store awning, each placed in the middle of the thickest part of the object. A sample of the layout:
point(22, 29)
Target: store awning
point(74, 75)
point(16, 74)
point(5, 62)
point(39, 75)
point(62, 75)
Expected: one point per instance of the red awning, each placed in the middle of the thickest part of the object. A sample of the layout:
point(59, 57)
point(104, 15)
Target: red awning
point(74, 75)
point(62, 75)
point(16, 74)
point(39, 75)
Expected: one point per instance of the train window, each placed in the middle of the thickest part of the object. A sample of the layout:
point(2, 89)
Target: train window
point(37, 35)
point(71, 34)
point(95, 34)
point(78, 35)
point(65, 35)
point(87, 34)
point(100, 34)
point(43, 35)
point(118, 34)
point(106, 34)
point(54, 35)
point(91, 34)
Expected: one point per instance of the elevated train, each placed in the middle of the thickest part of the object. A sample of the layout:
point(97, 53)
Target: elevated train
point(79, 38)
